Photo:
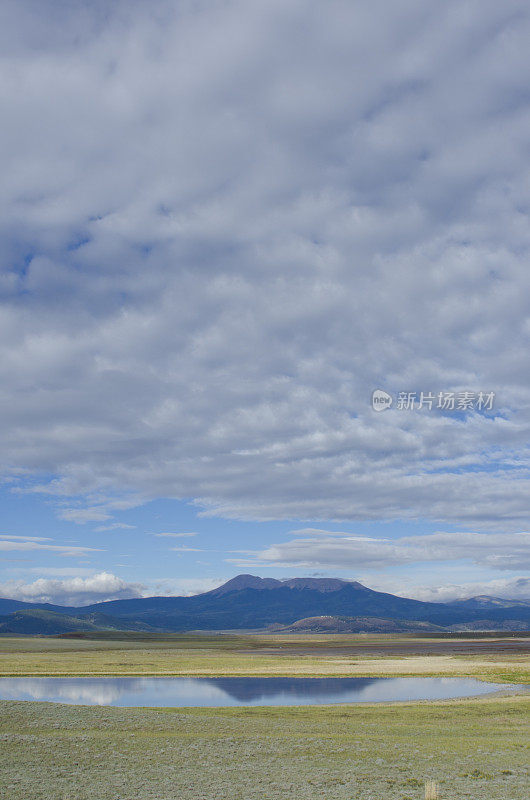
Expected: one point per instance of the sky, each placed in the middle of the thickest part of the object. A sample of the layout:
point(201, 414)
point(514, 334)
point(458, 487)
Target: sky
point(224, 225)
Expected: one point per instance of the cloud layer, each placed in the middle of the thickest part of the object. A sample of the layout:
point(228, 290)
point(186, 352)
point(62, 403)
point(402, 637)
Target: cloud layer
point(37, 543)
point(225, 225)
point(73, 591)
point(345, 551)
point(507, 588)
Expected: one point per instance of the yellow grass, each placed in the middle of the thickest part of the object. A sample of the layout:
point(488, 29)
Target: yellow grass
point(20, 657)
point(431, 790)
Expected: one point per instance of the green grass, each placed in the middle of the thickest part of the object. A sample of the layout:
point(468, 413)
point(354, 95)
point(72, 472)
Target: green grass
point(474, 750)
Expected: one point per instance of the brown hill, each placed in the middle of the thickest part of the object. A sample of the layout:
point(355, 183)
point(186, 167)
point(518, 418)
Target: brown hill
point(329, 624)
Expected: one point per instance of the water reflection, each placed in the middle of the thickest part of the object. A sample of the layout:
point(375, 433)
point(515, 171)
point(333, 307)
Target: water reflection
point(237, 691)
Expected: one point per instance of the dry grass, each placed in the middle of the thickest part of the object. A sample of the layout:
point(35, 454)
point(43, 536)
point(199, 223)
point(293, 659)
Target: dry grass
point(237, 656)
point(431, 790)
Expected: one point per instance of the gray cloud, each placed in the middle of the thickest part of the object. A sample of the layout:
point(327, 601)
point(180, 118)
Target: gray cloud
point(508, 551)
point(225, 225)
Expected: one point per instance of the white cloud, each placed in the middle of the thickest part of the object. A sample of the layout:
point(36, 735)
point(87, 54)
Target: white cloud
point(115, 526)
point(82, 515)
point(517, 588)
point(186, 587)
point(232, 222)
point(174, 535)
point(72, 571)
point(74, 591)
point(36, 543)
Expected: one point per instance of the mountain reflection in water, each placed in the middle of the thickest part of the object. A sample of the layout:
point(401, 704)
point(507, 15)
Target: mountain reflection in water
point(237, 691)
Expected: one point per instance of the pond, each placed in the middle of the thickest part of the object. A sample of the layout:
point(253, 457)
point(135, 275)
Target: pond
point(238, 691)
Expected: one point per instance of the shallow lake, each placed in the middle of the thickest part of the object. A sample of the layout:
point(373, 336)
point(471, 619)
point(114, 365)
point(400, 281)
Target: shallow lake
point(238, 691)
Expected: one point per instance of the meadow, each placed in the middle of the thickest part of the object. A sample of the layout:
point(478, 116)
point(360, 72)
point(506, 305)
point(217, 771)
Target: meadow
point(475, 749)
point(501, 660)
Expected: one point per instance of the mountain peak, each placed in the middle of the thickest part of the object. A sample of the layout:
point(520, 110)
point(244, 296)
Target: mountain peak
point(244, 581)
point(321, 584)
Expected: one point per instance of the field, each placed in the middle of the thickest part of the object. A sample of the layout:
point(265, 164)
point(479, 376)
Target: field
point(476, 749)
point(504, 660)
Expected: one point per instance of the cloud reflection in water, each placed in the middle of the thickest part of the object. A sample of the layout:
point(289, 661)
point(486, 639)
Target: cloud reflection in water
point(237, 691)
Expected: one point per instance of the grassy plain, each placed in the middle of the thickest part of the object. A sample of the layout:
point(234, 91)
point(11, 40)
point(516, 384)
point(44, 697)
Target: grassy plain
point(503, 660)
point(476, 749)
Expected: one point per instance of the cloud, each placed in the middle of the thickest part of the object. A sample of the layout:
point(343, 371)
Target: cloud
point(517, 588)
point(184, 549)
point(82, 515)
point(72, 571)
point(174, 535)
point(37, 543)
point(186, 587)
point(232, 222)
point(72, 591)
point(326, 549)
point(115, 526)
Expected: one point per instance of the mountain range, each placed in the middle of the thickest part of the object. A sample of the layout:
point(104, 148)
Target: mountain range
point(248, 602)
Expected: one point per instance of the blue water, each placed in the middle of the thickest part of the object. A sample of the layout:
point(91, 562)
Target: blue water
point(238, 691)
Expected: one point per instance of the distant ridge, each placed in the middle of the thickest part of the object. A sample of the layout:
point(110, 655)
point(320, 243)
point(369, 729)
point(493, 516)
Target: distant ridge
point(37, 621)
point(484, 601)
point(248, 602)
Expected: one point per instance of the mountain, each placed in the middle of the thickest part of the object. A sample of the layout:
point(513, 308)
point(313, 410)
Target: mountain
point(491, 625)
point(356, 625)
point(322, 584)
point(8, 606)
point(50, 623)
point(484, 601)
point(241, 582)
point(250, 602)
